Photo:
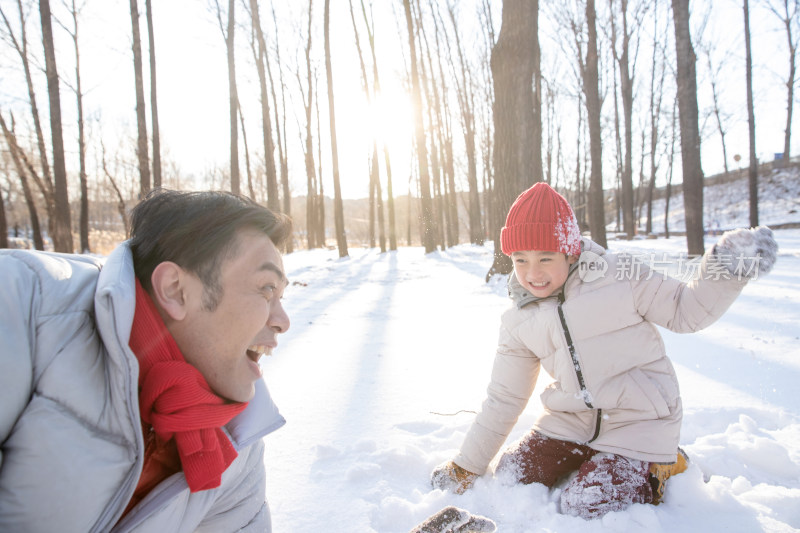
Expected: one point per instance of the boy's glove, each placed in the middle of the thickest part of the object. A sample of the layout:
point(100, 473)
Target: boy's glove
point(747, 253)
point(455, 520)
point(451, 476)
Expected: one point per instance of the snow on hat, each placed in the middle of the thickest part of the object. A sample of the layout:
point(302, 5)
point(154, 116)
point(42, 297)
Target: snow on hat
point(541, 219)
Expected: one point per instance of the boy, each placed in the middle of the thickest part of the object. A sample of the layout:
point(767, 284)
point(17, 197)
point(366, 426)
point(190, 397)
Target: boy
point(613, 413)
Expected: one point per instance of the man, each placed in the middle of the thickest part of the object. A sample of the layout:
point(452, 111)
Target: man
point(132, 395)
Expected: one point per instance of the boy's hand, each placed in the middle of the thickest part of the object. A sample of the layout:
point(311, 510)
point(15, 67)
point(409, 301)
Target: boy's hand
point(747, 253)
point(451, 476)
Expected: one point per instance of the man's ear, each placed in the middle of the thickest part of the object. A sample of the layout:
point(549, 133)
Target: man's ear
point(167, 283)
point(572, 259)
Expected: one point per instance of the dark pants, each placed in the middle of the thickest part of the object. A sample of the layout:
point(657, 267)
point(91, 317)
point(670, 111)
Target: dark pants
point(605, 482)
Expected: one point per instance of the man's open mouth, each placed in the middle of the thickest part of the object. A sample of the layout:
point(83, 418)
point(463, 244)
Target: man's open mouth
point(255, 352)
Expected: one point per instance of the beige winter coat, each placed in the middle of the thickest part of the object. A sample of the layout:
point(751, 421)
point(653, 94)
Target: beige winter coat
point(614, 388)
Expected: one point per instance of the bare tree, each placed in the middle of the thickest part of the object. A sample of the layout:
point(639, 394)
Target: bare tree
point(715, 71)
point(512, 69)
point(466, 101)
point(319, 194)
point(248, 170)
point(752, 179)
point(121, 207)
point(62, 235)
point(84, 215)
point(338, 210)
point(627, 68)
point(153, 96)
point(427, 226)
point(591, 91)
point(656, 97)
point(273, 201)
point(487, 148)
point(45, 183)
point(690, 130)
point(308, 141)
point(439, 133)
point(16, 157)
point(670, 167)
point(376, 86)
point(141, 121)
point(229, 34)
point(280, 128)
point(788, 11)
point(3, 223)
point(374, 173)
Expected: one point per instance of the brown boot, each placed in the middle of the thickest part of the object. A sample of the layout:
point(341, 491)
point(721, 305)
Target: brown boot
point(660, 472)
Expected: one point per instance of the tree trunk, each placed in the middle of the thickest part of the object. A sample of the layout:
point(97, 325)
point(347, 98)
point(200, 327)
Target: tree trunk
point(512, 69)
point(308, 141)
point(536, 147)
point(596, 201)
point(431, 97)
point(376, 87)
point(445, 136)
point(489, 218)
point(319, 221)
point(141, 121)
point(790, 90)
point(233, 93)
point(717, 110)
point(3, 223)
point(690, 131)
point(467, 104)
point(626, 90)
point(45, 184)
point(670, 167)
point(14, 150)
point(656, 98)
point(84, 202)
point(338, 209)
point(153, 96)
point(280, 131)
point(427, 226)
point(247, 168)
point(62, 236)
point(374, 173)
point(752, 178)
point(273, 201)
point(618, 143)
point(121, 208)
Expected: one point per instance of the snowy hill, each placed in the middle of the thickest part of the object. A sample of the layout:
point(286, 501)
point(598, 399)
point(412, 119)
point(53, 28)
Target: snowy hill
point(389, 356)
point(726, 203)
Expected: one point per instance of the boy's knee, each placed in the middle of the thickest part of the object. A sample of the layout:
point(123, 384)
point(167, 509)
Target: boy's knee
point(537, 458)
point(604, 484)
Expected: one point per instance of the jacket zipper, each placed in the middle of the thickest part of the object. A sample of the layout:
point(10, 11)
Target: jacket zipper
point(596, 426)
point(576, 365)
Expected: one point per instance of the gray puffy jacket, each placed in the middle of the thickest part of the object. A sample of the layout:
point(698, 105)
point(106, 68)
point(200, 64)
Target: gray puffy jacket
point(72, 446)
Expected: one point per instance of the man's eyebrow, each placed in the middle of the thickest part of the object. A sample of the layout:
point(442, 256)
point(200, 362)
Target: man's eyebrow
point(269, 265)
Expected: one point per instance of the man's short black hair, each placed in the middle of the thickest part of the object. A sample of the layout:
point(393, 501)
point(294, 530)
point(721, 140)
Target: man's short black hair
point(197, 231)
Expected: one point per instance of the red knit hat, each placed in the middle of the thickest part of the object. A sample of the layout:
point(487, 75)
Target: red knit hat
point(541, 219)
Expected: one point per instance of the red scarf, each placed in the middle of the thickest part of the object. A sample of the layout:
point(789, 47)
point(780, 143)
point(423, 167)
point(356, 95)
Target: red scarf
point(176, 400)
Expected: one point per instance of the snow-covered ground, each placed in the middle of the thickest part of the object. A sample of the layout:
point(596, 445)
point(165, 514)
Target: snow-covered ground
point(389, 355)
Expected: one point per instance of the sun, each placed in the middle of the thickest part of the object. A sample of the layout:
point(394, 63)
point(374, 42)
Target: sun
point(391, 120)
point(386, 120)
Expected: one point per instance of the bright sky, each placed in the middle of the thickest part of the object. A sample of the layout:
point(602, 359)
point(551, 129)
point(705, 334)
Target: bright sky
point(193, 84)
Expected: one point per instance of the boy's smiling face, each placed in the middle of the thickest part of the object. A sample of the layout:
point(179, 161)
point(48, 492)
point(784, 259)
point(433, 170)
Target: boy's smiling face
point(542, 273)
